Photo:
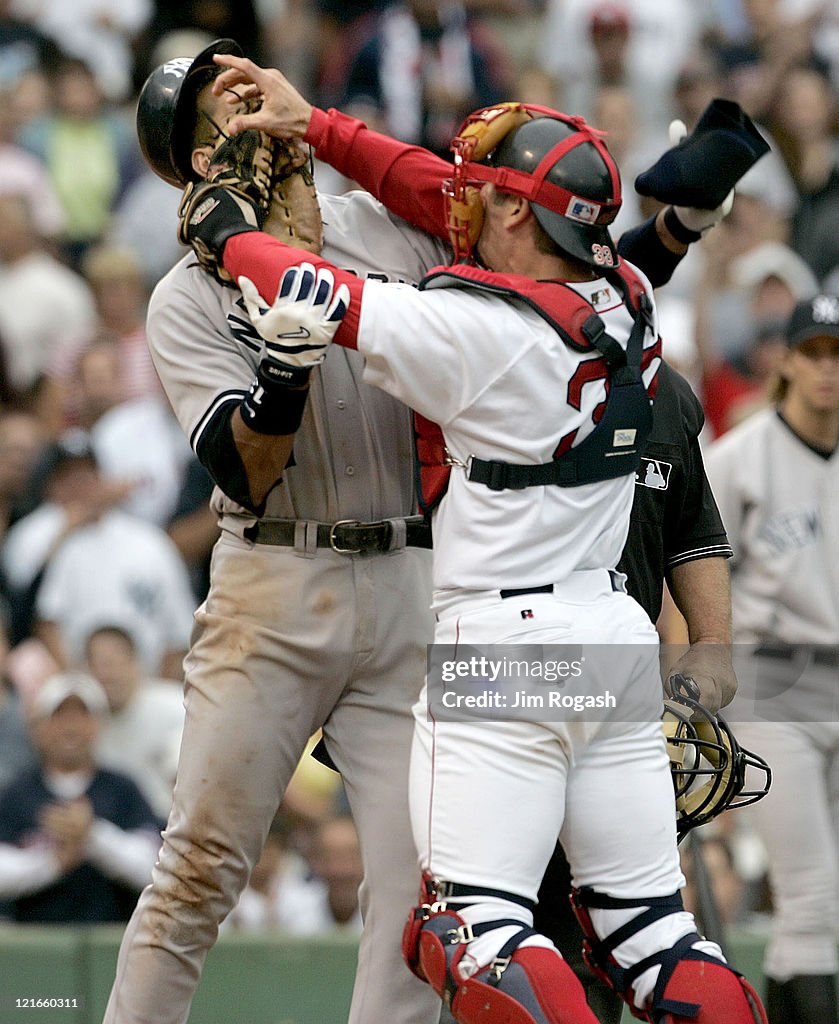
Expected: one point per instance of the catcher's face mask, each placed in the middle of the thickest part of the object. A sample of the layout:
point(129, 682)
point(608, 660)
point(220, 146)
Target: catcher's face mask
point(525, 150)
point(707, 764)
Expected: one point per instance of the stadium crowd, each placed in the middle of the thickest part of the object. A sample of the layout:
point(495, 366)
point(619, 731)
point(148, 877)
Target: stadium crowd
point(105, 529)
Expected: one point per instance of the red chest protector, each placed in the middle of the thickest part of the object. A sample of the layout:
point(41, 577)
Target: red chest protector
point(567, 312)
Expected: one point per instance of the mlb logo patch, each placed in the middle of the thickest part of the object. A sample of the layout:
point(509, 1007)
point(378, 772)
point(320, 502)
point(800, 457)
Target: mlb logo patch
point(654, 473)
point(601, 297)
point(527, 613)
point(582, 210)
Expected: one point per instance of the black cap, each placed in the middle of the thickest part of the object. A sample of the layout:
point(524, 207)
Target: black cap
point(703, 168)
point(817, 317)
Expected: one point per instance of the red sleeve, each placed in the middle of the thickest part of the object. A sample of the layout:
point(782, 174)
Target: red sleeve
point(407, 179)
point(264, 259)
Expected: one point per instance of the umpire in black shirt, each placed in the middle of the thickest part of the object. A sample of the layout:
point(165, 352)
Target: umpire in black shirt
point(675, 534)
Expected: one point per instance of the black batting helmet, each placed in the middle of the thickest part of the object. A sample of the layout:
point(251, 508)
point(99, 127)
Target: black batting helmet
point(166, 111)
point(578, 184)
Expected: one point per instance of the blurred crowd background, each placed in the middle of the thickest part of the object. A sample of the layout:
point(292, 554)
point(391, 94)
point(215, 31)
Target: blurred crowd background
point(105, 530)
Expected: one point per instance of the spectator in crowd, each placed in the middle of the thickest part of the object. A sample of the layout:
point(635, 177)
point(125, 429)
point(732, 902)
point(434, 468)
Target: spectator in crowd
point(23, 49)
point(45, 308)
point(16, 751)
point(336, 863)
point(698, 81)
point(70, 501)
point(142, 734)
point(766, 283)
point(660, 38)
point(23, 174)
point(21, 442)
point(90, 154)
point(424, 68)
point(269, 897)
point(140, 442)
point(306, 887)
point(116, 279)
point(608, 31)
point(94, 386)
point(77, 843)
point(143, 218)
point(99, 32)
point(97, 565)
point(774, 36)
point(804, 121)
point(216, 19)
point(118, 398)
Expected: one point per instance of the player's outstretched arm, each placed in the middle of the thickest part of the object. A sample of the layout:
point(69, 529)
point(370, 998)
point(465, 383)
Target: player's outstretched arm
point(407, 179)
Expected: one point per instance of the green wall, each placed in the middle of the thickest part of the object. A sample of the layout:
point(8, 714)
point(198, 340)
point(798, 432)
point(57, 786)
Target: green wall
point(259, 979)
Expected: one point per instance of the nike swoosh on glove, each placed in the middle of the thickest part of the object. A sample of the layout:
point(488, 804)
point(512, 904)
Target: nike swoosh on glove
point(300, 324)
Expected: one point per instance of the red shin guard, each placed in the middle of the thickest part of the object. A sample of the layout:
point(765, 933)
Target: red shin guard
point(710, 993)
point(535, 987)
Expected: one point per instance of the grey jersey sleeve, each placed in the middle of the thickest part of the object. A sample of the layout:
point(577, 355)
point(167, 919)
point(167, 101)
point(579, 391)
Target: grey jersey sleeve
point(203, 345)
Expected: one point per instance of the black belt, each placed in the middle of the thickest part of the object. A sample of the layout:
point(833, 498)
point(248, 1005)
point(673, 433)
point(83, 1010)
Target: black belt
point(548, 588)
point(347, 536)
point(826, 656)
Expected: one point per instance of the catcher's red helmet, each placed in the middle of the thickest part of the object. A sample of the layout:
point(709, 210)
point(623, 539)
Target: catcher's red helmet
point(558, 163)
point(586, 196)
point(707, 764)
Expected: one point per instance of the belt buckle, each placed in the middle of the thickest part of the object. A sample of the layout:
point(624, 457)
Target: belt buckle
point(334, 545)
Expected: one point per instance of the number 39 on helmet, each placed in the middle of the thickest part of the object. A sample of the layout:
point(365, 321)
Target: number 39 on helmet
point(707, 764)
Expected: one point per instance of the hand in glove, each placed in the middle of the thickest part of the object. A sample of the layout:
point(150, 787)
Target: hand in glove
point(300, 324)
point(694, 218)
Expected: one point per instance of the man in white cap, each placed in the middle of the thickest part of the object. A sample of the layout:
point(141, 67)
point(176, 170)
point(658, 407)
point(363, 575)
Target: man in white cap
point(77, 843)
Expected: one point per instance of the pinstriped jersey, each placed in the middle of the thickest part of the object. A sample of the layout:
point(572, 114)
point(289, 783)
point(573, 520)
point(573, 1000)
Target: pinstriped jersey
point(779, 500)
point(354, 452)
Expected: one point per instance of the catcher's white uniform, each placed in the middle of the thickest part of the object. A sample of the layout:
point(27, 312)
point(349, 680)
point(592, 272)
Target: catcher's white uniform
point(488, 800)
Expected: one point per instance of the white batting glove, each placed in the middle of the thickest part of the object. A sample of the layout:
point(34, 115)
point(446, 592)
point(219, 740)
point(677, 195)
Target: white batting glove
point(300, 325)
point(692, 217)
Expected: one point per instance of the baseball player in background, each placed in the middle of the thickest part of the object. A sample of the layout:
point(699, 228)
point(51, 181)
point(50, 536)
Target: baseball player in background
point(320, 589)
point(527, 536)
point(776, 478)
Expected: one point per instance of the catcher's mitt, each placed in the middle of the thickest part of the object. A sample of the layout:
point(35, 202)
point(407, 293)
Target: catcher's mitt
point(274, 177)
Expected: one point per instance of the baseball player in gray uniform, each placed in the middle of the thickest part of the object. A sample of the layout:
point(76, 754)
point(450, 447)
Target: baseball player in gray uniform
point(776, 480)
point(317, 616)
